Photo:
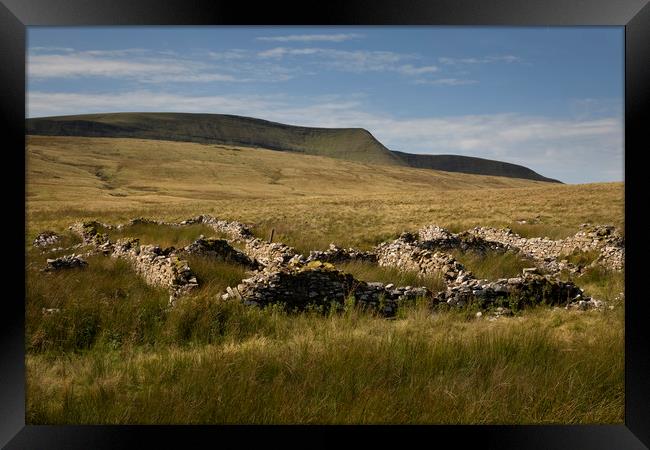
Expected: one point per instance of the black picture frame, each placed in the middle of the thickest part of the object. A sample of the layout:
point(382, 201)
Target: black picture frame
point(634, 15)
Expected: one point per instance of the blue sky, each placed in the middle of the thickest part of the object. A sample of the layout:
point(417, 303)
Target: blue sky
point(549, 98)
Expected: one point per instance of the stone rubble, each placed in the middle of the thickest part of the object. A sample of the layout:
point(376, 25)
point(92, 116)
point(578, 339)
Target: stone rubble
point(531, 288)
point(158, 267)
point(65, 262)
point(319, 284)
point(283, 275)
point(46, 238)
point(219, 249)
point(406, 253)
point(603, 238)
point(336, 254)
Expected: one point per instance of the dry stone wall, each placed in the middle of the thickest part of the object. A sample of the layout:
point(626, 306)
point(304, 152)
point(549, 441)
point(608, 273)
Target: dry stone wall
point(336, 254)
point(219, 249)
point(158, 267)
point(321, 285)
point(283, 275)
point(604, 239)
point(406, 253)
point(529, 289)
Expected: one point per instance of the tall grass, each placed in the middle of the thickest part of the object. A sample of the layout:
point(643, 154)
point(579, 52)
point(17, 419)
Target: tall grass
point(108, 304)
point(103, 302)
point(550, 366)
point(366, 271)
point(492, 265)
point(164, 235)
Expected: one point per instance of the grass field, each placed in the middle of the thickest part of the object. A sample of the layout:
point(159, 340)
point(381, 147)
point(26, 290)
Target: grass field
point(116, 354)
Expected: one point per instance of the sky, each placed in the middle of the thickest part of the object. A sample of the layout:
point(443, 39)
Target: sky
point(549, 98)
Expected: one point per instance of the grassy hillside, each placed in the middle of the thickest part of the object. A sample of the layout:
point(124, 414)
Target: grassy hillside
point(308, 199)
point(115, 353)
point(352, 144)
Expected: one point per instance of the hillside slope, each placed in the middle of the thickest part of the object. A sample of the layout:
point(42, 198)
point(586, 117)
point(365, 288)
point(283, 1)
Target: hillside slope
point(470, 164)
point(352, 144)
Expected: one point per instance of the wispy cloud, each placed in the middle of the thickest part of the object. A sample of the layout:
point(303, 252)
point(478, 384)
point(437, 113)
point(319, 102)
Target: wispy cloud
point(480, 60)
point(353, 60)
point(446, 81)
point(409, 69)
point(147, 67)
point(559, 148)
point(337, 37)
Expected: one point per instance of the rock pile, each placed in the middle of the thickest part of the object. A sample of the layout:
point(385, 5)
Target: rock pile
point(65, 262)
point(438, 238)
point(283, 275)
point(89, 232)
point(338, 255)
point(406, 253)
point(527, 290)
point(157, 266)
point(274, 254)
point(46, 238)
point(547, 251)
point(321, 285)
point(219, 249)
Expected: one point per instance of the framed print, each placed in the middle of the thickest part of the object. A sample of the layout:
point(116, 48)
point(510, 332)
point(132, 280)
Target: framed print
point(415, 219)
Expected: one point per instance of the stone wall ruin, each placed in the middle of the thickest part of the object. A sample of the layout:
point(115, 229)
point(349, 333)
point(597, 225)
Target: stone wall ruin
point(280, 274)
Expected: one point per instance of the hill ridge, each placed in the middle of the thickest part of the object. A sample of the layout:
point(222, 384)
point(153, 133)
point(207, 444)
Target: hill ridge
point(353, 144)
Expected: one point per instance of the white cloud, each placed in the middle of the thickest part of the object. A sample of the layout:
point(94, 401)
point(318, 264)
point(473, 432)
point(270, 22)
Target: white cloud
point(338, 37)
point(147, 67)
point(446, 81)
point(357, 61)
point(569, 149)
point(409, 69)
point(480, 60)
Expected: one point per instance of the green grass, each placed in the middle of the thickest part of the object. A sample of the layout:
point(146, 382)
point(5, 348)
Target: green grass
point(601, 284)
point(214, 275)
point(105, 302)
point(492, 265)
point(271, 367)
point(163, 235)
point(346, 143)
point(372, 272)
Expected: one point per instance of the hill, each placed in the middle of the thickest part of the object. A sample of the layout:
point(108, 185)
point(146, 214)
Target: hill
point(353, 144)
point(470, 164)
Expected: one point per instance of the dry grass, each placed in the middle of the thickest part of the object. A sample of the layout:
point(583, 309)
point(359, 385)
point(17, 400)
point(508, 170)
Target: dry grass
point(116, 354)
point(310, 201)
point(493, 265)
point(163, 235)
point(372, 272)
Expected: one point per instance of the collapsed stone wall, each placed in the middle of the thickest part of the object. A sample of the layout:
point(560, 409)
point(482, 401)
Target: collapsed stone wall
point(529, 289)
point(321, 285)
point(219, 249)
point(65, 262)
point(438, 238)
point(46, 239)
point(284, 275)
point(604, 239)
point(158, 267)
point(406, 253)
point(336, 254)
